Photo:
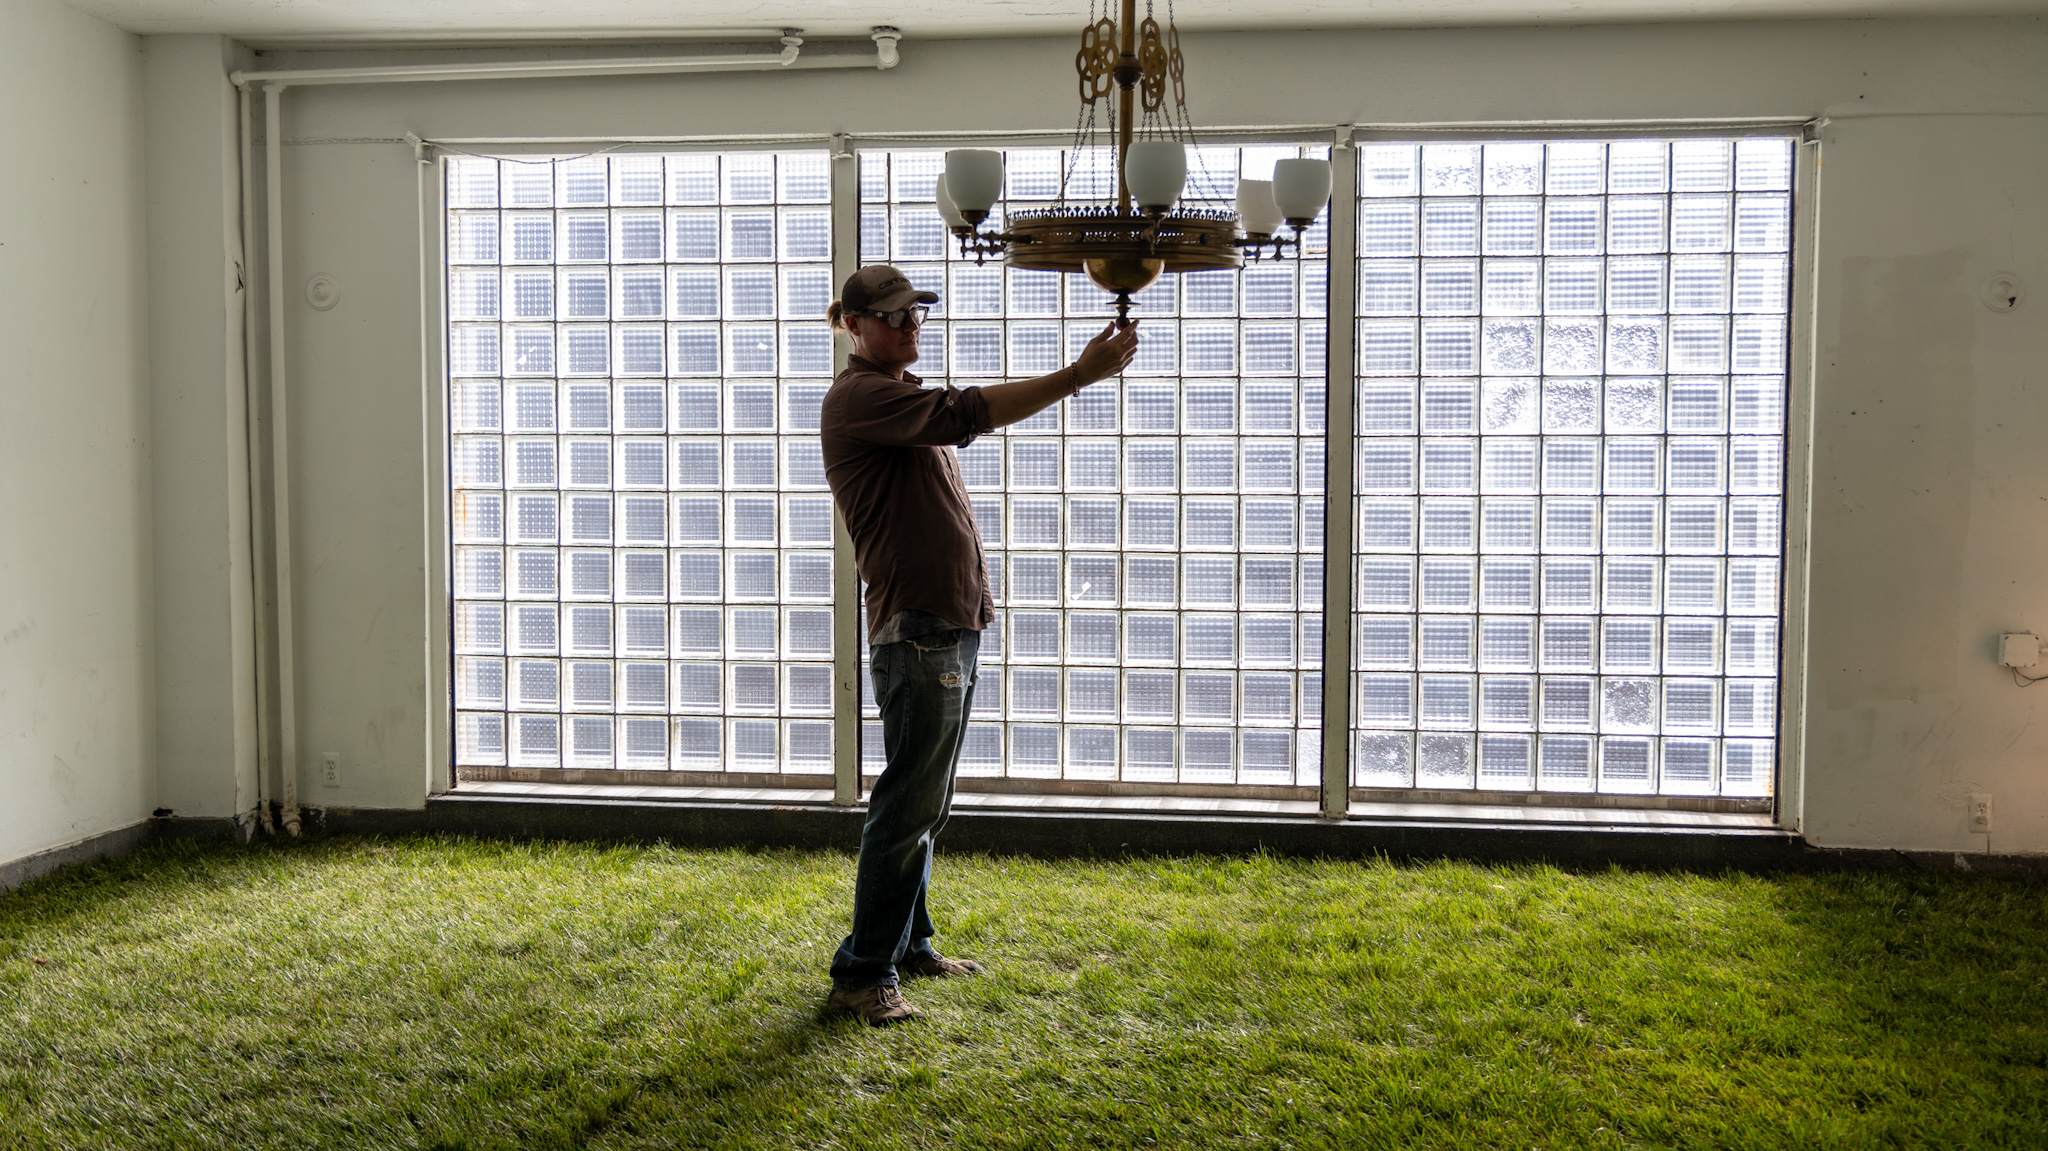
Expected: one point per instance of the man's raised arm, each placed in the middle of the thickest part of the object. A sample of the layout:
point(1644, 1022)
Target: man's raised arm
point(1106, 355)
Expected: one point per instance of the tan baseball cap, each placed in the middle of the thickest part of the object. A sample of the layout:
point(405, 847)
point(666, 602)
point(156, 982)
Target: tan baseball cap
point(881, 288)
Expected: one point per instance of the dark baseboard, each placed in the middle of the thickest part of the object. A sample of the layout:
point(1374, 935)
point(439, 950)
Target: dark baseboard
point(1060, 835)
point(1890, 859)
point(196, 827)
point(608, 820)
point(105, 845)
point(1097, 835)
point(119, 841)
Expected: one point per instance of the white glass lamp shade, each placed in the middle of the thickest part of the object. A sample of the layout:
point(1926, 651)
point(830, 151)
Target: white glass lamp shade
point(1301, 188)
point(974, 179)
point(1257, 212)
point(1155, 171)
point(947, 211)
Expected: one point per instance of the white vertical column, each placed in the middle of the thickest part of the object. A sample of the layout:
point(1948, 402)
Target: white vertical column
point(259, 533)
point(1340, 458)
point(846, 605)
point(280, 465)
point(439, 752)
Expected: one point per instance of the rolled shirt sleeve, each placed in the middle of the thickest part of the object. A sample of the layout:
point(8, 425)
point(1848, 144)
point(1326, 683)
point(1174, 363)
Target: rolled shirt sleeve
point(888, 412)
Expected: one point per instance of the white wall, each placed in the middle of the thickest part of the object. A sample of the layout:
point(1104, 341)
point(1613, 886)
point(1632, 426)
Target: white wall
point(1929, 532)
point(359, 486)
point(75, 694)
point(1930, 484)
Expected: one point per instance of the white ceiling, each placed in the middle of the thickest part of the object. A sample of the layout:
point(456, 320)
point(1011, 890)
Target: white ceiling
point(357, 20)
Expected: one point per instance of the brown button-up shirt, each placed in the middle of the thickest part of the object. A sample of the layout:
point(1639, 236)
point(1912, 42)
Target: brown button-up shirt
point(888, 447)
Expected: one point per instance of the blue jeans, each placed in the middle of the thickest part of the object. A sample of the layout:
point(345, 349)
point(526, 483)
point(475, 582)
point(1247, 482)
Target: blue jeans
point(925, 687)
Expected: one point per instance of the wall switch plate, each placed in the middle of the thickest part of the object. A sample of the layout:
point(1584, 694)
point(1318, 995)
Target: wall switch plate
point(330, 769)
point(1980, 811)
point(2019, 649)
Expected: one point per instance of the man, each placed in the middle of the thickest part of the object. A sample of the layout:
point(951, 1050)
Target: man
point(888, 446)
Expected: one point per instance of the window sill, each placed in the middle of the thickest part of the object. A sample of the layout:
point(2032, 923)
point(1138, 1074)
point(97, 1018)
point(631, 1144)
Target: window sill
point(1464, 815)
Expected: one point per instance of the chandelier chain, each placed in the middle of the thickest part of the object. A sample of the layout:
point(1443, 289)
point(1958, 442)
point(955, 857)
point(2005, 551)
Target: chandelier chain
point(1209, 183)
point(1085, 128)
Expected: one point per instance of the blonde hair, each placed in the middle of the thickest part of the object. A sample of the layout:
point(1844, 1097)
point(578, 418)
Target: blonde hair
point(834, 314)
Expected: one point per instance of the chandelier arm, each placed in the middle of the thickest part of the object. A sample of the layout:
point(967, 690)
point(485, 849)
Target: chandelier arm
point(981, 245)
point(1255, 244)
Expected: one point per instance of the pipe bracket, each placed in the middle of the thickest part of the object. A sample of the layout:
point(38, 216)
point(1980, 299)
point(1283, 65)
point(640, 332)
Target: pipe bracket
point(886, 38)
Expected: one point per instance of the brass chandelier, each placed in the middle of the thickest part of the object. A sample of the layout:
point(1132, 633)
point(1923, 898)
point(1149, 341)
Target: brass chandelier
point(1125, 248)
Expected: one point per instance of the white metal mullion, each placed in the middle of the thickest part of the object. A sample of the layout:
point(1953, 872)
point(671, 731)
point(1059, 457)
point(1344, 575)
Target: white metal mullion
point(846, 599)
point(1789, 789)
point(1339, 478)
point(280, 465)
point(1539, 558)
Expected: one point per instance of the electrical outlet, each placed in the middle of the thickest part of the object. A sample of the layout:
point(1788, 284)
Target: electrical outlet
point(1980, 811)
point(330, 769)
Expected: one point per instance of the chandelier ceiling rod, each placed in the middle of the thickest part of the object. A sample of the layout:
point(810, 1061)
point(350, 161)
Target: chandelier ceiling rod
point(1127, 74)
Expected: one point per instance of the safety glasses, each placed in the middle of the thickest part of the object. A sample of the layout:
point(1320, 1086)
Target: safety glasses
point(914, 315)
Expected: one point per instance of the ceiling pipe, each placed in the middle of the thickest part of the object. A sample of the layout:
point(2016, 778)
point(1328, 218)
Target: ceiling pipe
point(790, 56)
point(497, 38)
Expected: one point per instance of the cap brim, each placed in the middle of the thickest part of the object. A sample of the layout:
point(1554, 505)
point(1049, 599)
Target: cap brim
point(903, 298)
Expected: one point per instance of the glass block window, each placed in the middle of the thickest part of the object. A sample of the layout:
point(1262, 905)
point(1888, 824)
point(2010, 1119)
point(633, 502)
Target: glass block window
point(642, 564)
point(1155, 543)
point(1571, 411)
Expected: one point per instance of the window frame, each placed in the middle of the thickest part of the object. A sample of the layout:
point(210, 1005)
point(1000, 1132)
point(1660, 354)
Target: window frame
point(1337, 796)
point(1300, 786)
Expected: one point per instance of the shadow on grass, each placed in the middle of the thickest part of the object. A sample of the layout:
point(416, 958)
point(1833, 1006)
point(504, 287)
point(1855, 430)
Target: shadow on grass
point(134, 883)
point(723, 1085)
point(1913, 1007)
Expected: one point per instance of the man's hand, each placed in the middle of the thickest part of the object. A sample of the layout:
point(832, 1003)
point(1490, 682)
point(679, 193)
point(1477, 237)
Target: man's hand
point(1109, 353)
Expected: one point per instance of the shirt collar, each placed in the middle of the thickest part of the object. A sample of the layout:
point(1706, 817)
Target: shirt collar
point(862, 363)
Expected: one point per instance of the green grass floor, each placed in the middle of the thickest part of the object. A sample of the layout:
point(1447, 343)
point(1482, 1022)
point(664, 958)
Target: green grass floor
point(444, 993)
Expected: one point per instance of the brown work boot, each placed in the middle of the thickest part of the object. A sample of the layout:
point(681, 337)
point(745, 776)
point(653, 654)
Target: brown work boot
point(879, 1006)
point(933, 966)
